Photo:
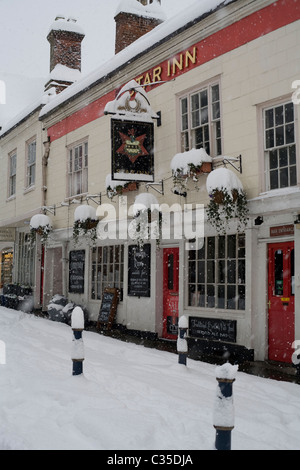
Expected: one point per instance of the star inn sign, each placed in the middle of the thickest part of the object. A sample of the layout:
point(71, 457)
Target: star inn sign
point(132, 134)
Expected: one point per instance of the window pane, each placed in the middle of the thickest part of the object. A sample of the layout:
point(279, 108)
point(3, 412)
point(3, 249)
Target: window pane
point(292, 154)
point(269, 118)
point(273, 159)
point(231, 246)
point(270, 139)
point(293, 176)
point(231, 271)
point(289, 134)
point(284, 177)
point(279, 115)
point(279, 136)
point(274, 179)
point(231, 297)
point(283, 157)
point(289, 112)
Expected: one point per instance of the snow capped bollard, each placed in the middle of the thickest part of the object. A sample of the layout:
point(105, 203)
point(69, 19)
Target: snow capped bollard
point(182, 346)
point(77, 325)
point(224, 409)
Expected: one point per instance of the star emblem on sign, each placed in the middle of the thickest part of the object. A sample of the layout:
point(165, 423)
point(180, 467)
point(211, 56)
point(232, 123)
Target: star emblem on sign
point(132, 146)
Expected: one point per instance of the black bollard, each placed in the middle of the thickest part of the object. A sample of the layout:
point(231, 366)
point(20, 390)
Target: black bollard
point(77, 344)
point(224, 409)
point(182, 346)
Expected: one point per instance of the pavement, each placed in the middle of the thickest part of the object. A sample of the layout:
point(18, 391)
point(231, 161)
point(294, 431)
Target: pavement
point(266, 369)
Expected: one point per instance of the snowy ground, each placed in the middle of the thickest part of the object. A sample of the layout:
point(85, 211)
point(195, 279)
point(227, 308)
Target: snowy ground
point(130, 397)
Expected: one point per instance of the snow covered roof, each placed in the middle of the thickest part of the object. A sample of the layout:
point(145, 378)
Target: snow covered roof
point(153, 10)
point(159, 34)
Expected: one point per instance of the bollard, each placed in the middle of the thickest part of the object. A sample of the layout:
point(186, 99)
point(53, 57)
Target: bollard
point(182, 346)
point(77, 325)
point(224, 409)
point(296, 357)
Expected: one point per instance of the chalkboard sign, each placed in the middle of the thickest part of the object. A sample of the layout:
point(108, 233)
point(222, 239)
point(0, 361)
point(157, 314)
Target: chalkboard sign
point(108, 308)
point(76, 271)
point(213, 329)
point(139, 262)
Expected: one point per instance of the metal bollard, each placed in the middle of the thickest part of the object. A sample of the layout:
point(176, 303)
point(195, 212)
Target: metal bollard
point(77, 326)
point(224, 409)
point(182, 346)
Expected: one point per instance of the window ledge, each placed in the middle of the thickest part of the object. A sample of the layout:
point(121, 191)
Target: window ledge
point(29, 189)
point(277, 193)
point(11, 198)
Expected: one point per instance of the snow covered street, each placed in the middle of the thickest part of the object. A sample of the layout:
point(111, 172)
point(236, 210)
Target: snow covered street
point(130, 397)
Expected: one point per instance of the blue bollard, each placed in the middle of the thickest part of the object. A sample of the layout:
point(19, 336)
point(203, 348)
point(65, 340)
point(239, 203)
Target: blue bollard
point(224, 410)
point(182, 347)
point(78, 347)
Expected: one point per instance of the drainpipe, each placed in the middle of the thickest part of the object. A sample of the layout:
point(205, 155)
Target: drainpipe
point(45, 158)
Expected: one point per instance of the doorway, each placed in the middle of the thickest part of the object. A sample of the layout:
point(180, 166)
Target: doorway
point(170, 292)
point(281, 303)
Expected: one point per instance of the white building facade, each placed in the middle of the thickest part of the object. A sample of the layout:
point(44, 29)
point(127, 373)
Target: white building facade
point(224, 81)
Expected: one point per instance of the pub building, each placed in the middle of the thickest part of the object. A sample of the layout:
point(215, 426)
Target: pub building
point(189, 107)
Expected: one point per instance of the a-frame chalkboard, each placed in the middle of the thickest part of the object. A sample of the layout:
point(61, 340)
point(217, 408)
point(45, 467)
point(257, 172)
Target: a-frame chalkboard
point(108, 308)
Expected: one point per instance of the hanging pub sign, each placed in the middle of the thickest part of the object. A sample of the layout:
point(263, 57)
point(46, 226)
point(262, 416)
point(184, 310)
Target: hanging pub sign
point(132, 150)
point(132, 134)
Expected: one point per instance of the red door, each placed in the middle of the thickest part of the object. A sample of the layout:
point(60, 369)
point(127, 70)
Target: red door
point(281, 303)
point(171, 292)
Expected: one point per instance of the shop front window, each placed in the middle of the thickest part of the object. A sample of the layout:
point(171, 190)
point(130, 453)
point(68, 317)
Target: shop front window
point(217, 273)
point(107, 269)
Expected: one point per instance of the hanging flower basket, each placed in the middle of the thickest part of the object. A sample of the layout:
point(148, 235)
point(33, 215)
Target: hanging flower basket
point(145, 213)
point(85, 223)
point(40, 225)
point(118, 188)
point(228, 200)
point(189, 165)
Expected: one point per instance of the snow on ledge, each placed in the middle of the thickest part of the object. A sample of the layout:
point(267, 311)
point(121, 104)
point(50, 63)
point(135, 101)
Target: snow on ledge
point(64, 73)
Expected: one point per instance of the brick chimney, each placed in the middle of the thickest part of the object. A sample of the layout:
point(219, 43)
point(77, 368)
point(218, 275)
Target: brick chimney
point(134, 18)
point(65, 39)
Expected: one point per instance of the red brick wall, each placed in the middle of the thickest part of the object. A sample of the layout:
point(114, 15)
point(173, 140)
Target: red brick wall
point(130, 27)
point(65, 49)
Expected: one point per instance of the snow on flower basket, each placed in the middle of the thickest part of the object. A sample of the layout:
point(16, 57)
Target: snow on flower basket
point(41, 225)
point(118, 188)
point(85, 223)
point(228, 200)
point(188, 165)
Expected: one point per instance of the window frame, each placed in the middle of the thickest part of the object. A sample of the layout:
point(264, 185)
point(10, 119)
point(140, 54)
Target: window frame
point(107, 264)
point(265, 185)
point(30, 176)
point(213, 123)
point(211, 277)
point(12, 177)
point(77, 168)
